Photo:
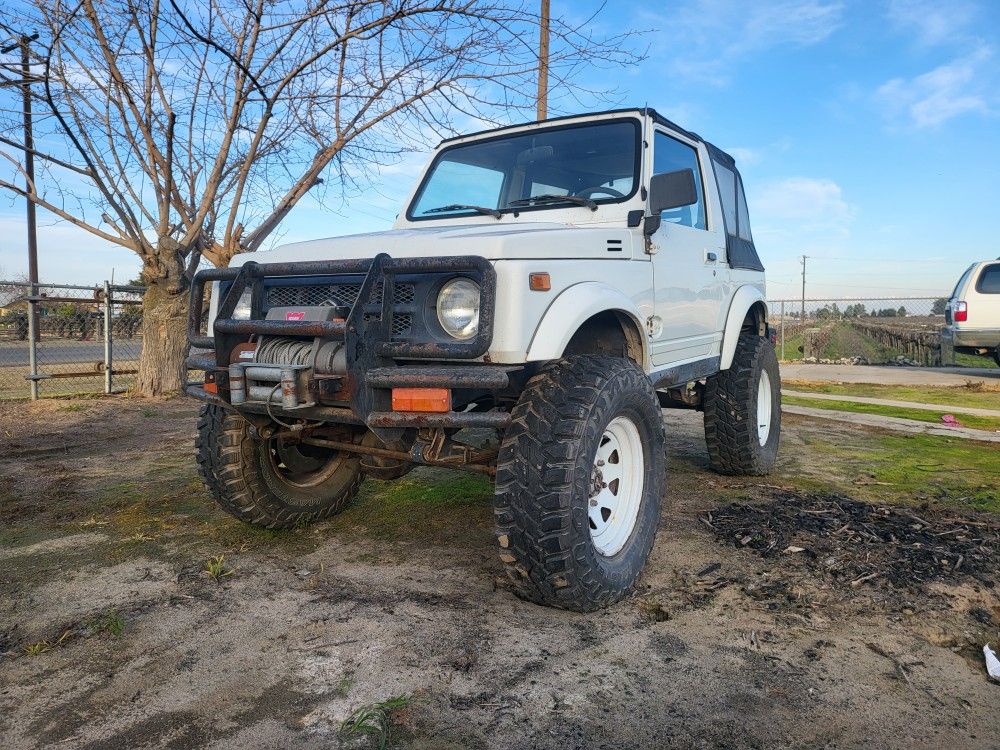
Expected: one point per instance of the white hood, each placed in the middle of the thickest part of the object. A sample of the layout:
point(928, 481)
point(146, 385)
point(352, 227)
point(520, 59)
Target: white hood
point(491, 241)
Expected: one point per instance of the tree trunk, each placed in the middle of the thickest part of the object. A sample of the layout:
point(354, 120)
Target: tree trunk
point(164, 340)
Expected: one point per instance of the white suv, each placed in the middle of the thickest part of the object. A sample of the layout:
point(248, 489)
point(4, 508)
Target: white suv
point(555, 283)
point(972, 315)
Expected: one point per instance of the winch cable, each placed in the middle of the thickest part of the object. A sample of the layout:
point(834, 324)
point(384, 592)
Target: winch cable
point(283, 351)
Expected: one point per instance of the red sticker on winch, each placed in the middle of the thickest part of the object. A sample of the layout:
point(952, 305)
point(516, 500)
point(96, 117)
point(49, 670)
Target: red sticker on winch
point(295, 316)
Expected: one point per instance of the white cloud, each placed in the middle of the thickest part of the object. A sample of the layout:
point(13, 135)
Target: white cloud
point(931, 99)
point(745, 157)
point(809, 201)
point(932, 22)
point(709, 37)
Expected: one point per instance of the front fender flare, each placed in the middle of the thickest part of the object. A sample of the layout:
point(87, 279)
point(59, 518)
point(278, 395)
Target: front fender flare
point(575, 305)
point(746, 297)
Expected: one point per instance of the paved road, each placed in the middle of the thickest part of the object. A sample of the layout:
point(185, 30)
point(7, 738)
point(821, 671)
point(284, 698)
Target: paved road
point(888, 375)
point(64, 352)
point(893, 402)
point(895, 424)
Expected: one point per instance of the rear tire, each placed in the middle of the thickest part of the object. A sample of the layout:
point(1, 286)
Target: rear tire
point(580, 476)
point(743, 410)
point(270, 483)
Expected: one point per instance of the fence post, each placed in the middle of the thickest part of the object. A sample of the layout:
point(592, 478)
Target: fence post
point(33, 332)
point(108, 361)
point(782, 330)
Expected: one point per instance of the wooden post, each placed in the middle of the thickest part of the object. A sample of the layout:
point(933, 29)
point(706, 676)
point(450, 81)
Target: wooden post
point(543, 62)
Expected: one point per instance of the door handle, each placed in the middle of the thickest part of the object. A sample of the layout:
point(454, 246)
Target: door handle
point(711, 257)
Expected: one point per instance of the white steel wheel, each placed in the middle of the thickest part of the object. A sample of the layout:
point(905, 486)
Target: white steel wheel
point(763, 407)
point(616, 486)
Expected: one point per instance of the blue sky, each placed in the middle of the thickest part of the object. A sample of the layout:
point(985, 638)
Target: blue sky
point(868, 134)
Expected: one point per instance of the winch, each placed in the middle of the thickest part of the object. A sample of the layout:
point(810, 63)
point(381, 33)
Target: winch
point(290, 372)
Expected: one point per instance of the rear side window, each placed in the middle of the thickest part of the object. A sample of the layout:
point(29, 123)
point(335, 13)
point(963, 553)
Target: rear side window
point(727, 194)
point(670, 155)
point(961, 281)
point(742, 214)
point(989, 280)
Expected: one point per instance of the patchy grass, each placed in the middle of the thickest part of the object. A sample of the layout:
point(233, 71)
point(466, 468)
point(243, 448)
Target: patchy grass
point(794, 343)
point(974, 360)
point(41, 647)
point(989, 424)
point(976, 394)
point(911, 469)
point(216, 568)
point(110, 622)
point(374, 721)
point(423, 505)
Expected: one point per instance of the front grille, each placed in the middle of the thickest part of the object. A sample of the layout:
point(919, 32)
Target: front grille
point(323, 295)
point(401, 322)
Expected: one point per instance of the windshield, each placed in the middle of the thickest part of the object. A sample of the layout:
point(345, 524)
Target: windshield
point(572, 165)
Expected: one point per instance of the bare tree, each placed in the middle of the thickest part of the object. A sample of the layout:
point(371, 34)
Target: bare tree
point(186, 130)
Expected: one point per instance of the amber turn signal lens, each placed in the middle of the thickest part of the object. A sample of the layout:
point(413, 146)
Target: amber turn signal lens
point(539, 282)
point(421, 399)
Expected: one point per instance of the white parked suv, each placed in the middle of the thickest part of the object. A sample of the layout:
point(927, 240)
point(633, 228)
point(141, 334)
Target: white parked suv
point(555, 283)
point(972, 315)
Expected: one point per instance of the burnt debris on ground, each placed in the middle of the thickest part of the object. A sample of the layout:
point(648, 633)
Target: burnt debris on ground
point(854, 543)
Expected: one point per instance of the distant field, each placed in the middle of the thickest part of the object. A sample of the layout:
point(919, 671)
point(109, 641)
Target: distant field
point(840, 339)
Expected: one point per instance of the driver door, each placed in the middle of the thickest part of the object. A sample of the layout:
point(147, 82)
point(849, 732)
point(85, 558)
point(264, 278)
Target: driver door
point(690, 274)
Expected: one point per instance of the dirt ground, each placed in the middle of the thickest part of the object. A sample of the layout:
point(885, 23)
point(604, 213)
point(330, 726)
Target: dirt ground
point(751, 627)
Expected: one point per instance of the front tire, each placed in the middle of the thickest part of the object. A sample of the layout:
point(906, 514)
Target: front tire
point(580, 476)
point(270, 483)
point(743, 410)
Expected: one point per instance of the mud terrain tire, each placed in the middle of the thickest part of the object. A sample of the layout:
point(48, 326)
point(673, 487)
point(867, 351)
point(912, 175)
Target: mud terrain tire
point(249, 478)
point(735, 445)
point(545, 485)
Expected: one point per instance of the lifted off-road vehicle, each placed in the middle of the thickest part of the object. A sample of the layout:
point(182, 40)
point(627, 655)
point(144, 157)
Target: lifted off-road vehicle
point(546, 291)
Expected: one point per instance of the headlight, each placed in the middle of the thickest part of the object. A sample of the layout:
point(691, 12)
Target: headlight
point(458, 308)
point(242, 311)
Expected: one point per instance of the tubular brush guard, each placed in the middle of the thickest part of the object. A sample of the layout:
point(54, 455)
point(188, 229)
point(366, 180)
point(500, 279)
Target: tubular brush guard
point(372, 372)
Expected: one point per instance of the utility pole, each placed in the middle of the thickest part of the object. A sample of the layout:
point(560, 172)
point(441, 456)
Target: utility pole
point(803, 319)
point(23, 41)
point(543, 62)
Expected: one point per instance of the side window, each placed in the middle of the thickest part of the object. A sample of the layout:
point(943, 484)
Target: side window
point(742, 213)
point(670, 155)
point(727, 194)
point(989, 280)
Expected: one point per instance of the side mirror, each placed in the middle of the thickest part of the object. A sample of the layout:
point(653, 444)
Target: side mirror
point(672, 190)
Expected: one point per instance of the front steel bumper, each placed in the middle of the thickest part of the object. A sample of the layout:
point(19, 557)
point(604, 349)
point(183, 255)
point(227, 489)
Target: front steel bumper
point(362, 394)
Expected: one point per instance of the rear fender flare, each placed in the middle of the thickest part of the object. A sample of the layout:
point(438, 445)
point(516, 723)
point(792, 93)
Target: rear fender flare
point(746, 297)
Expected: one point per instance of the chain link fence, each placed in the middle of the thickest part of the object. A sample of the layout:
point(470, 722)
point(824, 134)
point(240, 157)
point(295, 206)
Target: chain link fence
point(884, 330)
point(60, 339)
point(69, 340)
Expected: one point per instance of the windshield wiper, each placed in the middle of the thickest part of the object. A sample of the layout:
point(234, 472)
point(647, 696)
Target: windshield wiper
point(462, 206)
point(550, 198)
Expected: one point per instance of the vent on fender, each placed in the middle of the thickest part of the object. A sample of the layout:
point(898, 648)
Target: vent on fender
point(614, 246)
